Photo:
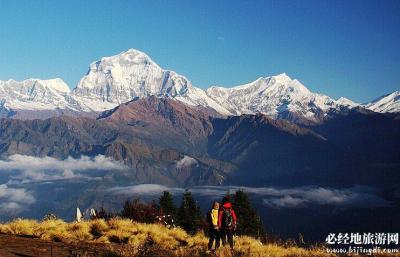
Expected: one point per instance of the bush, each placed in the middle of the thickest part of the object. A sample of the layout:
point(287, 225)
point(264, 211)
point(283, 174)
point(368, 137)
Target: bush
point(140, 212)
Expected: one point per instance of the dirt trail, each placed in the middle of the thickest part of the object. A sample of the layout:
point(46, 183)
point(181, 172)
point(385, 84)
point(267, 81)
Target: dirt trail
point(12, 246)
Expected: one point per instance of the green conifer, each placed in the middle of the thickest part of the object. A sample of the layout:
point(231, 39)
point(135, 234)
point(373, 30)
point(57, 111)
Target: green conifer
point(189, 214)
point(167, 205)
point(249, 222)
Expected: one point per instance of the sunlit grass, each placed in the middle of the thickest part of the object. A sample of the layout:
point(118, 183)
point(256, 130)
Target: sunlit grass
point(136, 235)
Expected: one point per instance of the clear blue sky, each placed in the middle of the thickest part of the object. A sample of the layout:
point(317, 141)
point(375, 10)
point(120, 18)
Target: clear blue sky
point(339, 48)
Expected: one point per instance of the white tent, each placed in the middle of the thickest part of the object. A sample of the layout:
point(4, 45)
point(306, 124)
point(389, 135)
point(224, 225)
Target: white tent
point(78, 215)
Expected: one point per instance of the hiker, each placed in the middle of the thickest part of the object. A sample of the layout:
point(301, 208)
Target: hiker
point(166, 220)
point(213, 231)
point(227, 222)
point(92, 214)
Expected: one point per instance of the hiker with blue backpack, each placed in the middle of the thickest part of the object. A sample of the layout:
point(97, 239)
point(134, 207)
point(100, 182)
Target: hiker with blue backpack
point(227, 222)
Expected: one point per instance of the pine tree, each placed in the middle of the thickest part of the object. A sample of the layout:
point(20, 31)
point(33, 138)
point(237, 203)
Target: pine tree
point(189, 214)
point(167, 205)
point(249, 222)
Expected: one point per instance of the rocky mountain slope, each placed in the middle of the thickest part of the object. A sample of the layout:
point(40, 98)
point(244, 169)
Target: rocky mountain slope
point(171, 116)
point(168, 142)
point(167, 146)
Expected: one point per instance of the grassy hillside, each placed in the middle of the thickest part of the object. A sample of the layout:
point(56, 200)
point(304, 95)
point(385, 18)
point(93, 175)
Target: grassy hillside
point(146, 239)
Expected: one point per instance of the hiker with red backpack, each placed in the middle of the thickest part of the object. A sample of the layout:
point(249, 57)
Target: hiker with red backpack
point(227, 222)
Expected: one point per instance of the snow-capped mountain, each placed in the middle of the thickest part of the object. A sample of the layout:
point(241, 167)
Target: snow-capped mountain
point(278, 97)
point(347, 102)
point(109, 82)
point(386, 103)
point(132, 74)
point(35, 95)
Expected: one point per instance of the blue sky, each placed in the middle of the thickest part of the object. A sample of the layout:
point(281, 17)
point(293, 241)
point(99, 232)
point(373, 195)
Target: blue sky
point(339, 48)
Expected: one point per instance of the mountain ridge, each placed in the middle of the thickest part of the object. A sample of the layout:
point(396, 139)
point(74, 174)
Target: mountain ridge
point(132, 74)
point(166, 141)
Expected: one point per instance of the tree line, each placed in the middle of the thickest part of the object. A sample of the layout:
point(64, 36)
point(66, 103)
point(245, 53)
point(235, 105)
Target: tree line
point(188, 215)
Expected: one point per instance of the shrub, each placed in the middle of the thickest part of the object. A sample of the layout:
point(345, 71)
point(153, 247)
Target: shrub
point(140, 212)
point(23, 227)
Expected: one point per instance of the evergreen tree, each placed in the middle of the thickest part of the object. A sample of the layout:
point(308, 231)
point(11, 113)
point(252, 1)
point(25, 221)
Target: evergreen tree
point(189, 214)
point(249, 222)
point(167, 205)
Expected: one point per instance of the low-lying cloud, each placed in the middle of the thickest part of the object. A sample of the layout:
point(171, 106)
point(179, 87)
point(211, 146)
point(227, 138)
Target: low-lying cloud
point(298, 197)
point(13, 200)
point(25, 169)
point(19, 170)
point(144, 189)
point(186, 161)
point(25, 162)
point(357, 196)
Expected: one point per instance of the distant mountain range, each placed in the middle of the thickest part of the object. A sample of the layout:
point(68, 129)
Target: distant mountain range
point(273, 131)
point(131, 75)
point(168, 142)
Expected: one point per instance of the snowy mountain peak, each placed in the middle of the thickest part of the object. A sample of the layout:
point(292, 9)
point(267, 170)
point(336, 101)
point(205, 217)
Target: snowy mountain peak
point(386, 103)
point(55, 84)
point(273, 96)
point(33, 86)
point(133, 74)
point(127, 58)
point(346, 102)
point(123, 77)
point(283, 77)
point(34, 94)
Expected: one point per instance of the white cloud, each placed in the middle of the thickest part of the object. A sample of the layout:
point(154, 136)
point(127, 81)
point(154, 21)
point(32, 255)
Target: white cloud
point(13, 200)
point(10, 208)
point(185, 162)
point(357, 196)
point(26, 169)
point(19, 195)
point(24, 162)
point(144, 189)
point(286, 201)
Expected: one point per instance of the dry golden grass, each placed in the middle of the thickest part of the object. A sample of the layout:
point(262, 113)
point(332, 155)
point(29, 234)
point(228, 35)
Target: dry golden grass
point(137, 236)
